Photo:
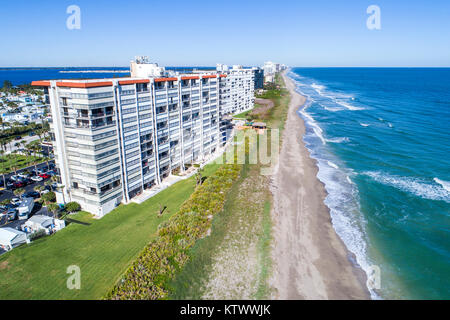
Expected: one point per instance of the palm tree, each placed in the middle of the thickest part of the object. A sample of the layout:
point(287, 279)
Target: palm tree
point(3, 169)
point(59, 188)
point(198, 177)
point(17, 145)
point(19, 192)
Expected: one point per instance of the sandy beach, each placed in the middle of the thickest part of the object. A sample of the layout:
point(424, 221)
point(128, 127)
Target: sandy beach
point(310, 261)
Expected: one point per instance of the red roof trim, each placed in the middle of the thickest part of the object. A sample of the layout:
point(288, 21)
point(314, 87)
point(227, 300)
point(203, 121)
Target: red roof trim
point(40, 83)
point(210, 76)
point(84, 84)
point(190, 78)
point(165, 79)
point(133, 81)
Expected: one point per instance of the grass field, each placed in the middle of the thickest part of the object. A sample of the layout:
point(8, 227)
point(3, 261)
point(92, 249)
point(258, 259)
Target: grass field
point(8, 162)
point(102, 250)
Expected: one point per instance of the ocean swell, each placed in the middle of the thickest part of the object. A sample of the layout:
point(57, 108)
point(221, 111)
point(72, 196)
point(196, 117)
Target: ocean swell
point(433, 191)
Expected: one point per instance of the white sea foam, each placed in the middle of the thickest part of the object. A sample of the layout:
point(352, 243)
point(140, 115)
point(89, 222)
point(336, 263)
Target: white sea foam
point(390, 125)
point(332, 109)
point(338, 140)
point(444, 184)
point(319, 88)
point(342, 200)
point(416, 186)
point(364, 124)
point(313, 124)
point(332, 164)
point(349, 106)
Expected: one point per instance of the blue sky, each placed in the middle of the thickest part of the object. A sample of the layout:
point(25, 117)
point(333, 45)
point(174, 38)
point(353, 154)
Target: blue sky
point(202, 33)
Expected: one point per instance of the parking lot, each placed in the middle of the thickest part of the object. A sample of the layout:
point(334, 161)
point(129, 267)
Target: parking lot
point(9, 194)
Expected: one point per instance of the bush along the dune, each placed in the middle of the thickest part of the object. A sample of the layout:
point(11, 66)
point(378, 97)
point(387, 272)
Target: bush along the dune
point(163, 257)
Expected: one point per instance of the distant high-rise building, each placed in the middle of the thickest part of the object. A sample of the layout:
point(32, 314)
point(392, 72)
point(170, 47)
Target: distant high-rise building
point(259, 78)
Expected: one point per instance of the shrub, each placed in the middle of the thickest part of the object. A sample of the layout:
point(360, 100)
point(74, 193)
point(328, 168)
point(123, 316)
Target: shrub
point(72, 207)
point(37, 235)
point(163, 257)
point(49, 197)
point(53, 208)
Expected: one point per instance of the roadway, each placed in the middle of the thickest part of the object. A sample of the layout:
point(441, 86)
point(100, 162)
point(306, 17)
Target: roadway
point(10, 147)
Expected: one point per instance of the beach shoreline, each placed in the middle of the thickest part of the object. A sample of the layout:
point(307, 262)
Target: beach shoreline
point(310, 261)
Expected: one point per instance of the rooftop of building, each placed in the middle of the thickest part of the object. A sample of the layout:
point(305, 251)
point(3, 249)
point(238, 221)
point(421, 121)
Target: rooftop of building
point(90, 83)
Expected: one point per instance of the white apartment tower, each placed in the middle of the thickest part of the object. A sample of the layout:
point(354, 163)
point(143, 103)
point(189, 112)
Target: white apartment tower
point(237, 93)
point(114, 138)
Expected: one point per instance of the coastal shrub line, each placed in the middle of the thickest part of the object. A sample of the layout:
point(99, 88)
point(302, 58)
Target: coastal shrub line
point(163, 257)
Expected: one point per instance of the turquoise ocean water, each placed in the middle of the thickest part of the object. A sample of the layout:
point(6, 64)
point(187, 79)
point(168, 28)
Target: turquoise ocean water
point(381, 137)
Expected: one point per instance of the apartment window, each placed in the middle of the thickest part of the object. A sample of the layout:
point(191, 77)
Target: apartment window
point(142, 87)
point(127, 92)
point(64, 101)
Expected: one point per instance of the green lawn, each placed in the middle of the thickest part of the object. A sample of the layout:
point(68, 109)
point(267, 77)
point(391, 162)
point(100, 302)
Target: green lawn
point(244, 114)
point(102, 250)
point(7, 162)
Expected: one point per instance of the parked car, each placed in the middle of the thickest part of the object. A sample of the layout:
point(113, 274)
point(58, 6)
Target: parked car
point(11, 214)
point(32, 133)
point(18, 184)
point(36, 178)
point(9, 184)
point(23, 175)
point(51, 173)
point(15, 200)
point(44, 176)
point(37, 171)
point(18, 138)
point(31, 194)
point(14, 178)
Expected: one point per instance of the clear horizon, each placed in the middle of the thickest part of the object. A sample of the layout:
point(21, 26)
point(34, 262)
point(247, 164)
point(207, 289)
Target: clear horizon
point(201, 33)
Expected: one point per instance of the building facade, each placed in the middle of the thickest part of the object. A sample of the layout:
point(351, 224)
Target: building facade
point(237, 90)
point(259, 78)
point(114, 138)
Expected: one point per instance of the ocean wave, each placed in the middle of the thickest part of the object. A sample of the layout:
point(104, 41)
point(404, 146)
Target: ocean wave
point(332, 164)
point(338, 140)
point(364, 124)
point(342, 200)
point(337, 98)
point(332, 109)
point(418, 187)
point(319, 88)
point(444, 184)
point(313, 125)
point(349, 106)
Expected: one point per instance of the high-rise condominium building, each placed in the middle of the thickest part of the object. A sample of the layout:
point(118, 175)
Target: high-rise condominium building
point(114, 138)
